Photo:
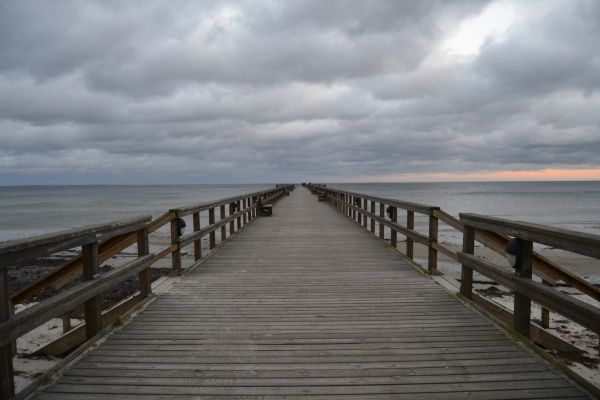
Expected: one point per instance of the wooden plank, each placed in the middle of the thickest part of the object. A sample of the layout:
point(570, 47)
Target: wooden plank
point(287, 309)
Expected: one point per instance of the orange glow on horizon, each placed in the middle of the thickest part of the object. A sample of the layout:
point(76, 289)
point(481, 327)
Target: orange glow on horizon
point(533, 175)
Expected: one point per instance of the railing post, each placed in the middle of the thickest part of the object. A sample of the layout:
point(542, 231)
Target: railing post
point(143, 249)
point(372, 219)
point(410, 243)
point(358, 212)
point(393, 233)
point(258, 209)
point(239, 218)
point(466, 273)
point(254, 203)
point(7, 380)
point(522, 305)
point(232, 223)
point(381, 225)
point(245, 205)
point(212, 235)
point(198, 242)
point(354, 204)
point(176, 253)
point(364, 206)
point(433, 238)
point(93, 317)
point(545, 316)
point(223, 227)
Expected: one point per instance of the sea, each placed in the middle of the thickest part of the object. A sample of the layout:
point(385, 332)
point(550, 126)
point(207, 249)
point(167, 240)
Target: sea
point(32, 210)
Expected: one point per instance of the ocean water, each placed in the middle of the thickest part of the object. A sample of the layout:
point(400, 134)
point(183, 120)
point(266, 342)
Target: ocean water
point(568, 205)
point(32, 210)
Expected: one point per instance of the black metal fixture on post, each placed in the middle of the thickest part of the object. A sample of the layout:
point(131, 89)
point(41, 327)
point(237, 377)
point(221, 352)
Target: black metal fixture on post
point(514, 253)
point(180, 226)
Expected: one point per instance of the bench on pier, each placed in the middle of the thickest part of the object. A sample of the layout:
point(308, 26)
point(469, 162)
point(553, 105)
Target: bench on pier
point(266, 210)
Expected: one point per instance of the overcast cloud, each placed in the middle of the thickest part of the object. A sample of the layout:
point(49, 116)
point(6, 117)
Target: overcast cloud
point(262, 91)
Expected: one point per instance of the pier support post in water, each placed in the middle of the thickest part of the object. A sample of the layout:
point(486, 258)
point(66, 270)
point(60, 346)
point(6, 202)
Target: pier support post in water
point(91, 265)
point(433, 238)
point(522, 305)
point(466, 273)
point(7, 383)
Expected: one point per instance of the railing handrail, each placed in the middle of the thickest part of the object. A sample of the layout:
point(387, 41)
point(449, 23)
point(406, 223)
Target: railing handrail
point(578, 242)
point(21, 250)
point(198, 207)
point(406, 205)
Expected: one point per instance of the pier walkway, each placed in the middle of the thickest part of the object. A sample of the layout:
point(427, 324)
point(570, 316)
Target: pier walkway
point(307, 304)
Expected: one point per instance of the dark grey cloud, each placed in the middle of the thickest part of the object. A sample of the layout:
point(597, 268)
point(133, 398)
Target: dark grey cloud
point(296, 90)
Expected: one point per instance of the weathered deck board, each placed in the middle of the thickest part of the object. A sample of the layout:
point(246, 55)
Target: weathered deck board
point(306, 304)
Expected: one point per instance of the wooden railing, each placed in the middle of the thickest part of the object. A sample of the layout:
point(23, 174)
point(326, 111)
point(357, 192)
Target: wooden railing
point(233, 211)
point(492, 233)
point(362, 207)
point(520, 281)
point(87, 292)
point(99, 243)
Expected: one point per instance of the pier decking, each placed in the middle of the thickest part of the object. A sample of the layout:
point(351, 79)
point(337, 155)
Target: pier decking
point(307, 304)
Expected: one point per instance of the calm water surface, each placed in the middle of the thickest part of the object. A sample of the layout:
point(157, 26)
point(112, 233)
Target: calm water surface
point(26, 211)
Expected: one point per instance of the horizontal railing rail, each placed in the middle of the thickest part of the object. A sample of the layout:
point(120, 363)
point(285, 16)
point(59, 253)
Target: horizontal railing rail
point(99, 243)
point(494, 234)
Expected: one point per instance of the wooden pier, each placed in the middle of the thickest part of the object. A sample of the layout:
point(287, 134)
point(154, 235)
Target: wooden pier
point(308, 304)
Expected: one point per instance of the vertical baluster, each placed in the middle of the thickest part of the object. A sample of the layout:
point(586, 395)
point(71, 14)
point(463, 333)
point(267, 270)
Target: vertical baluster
point(364, 204)
point(223, 227)
point(245, 205)
point(176, 253)
point(93, 317)
point(213, 234)
point(466, 274)
point(381, 225)
point(545, 316)
point(394, 234)
point(239, 218)
point(372, 219)
point(7, 383)
point(359, 205)
point(432, 251)
point(143, 249)
point(410, 243)
point(522, 304)
point(232, 223)
point(353, 202)
point(197, 242)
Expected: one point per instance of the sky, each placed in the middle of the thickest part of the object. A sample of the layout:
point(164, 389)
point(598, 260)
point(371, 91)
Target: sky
point(152, 92)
